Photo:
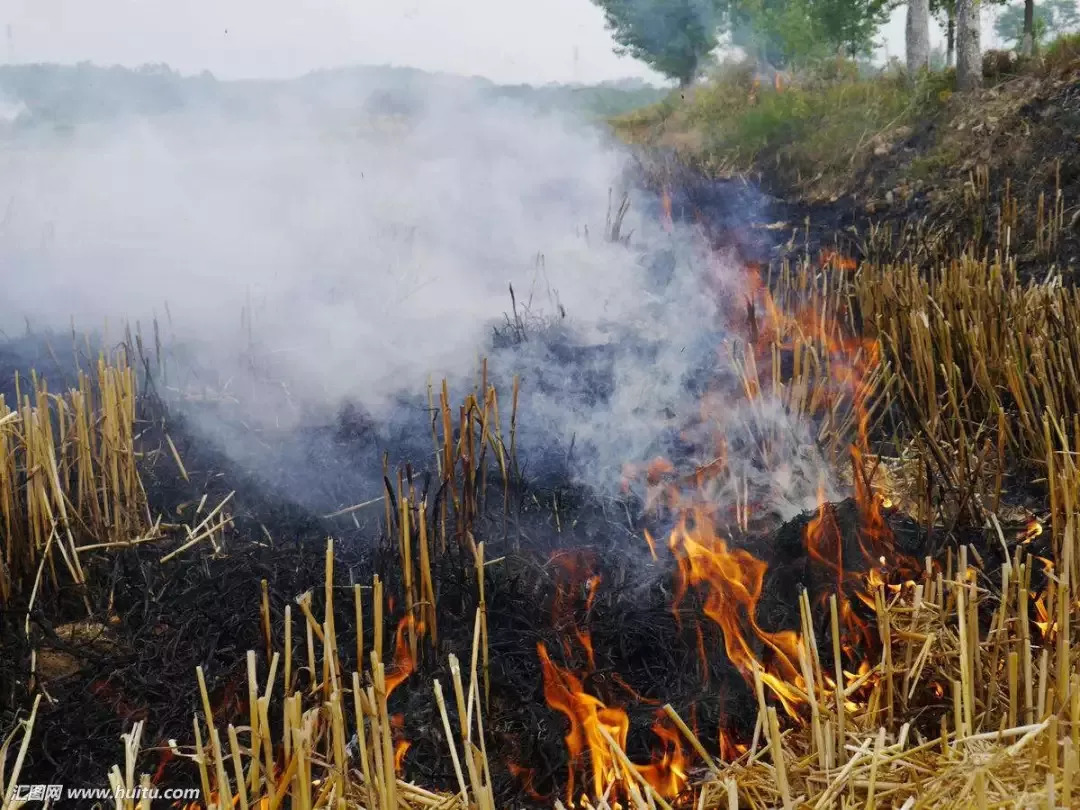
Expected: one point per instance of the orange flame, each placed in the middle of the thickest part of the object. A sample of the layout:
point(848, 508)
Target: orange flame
point(729, 749)
point(729, 580)
point(525, 777)
point(652, 544)
point(1047, 626)
point(822, 538)
point(590, 719)
point(732, 580)
point(837, 260)
point(214, 799)
point(1033, 529)
point(404, 663)
point(565, 692)
point(667, 773)
point(665, 205)
point(401, 747)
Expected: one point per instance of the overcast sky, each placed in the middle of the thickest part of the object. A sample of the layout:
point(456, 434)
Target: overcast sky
point(504, 40)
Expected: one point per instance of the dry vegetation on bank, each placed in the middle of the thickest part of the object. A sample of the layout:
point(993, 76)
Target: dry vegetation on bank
point(831, 133)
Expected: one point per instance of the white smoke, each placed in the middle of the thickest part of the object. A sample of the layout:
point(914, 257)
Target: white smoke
point(10, 110)
point(366, 256)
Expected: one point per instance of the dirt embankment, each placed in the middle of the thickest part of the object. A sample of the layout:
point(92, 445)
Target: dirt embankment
point(905, 173)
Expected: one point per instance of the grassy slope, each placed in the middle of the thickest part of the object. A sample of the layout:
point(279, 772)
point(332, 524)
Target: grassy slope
point(878, 140)
point(798, 137)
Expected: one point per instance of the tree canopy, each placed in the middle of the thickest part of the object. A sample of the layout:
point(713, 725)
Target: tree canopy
point(673, 36)
point(795, 31)
point(1052, 18)
point(676, 37)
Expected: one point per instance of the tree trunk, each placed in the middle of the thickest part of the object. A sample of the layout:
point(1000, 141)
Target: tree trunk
point(968, 48)
point(950, 40)
point(917, 37)
point(1027, 42)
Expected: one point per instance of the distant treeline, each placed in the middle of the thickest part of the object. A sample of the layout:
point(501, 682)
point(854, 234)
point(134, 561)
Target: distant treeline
point(61, 96)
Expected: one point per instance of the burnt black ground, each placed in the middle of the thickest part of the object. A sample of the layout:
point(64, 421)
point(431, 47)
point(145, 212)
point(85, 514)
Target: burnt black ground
point(203, 609)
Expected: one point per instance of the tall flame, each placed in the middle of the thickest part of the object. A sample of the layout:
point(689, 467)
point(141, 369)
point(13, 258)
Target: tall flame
point(592, 722)
point(404, 666)
point(564, 691)
point(404, 663)
point(668, 771)
point(731, 580)
point(589, 748)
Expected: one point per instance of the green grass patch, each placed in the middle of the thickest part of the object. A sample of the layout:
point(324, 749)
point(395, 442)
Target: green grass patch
point(818, 126)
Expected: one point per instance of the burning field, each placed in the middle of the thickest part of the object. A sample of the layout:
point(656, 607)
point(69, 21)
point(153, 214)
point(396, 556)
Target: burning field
point(780, 527)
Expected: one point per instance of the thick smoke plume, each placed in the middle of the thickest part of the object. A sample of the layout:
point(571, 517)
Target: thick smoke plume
point(311, 255)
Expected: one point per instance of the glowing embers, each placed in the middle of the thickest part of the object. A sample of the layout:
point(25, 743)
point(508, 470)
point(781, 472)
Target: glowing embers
point(1034, 529)
point(836, 260)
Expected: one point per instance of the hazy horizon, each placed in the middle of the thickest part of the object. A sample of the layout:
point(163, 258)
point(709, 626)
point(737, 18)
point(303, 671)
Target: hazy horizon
point(504, 41)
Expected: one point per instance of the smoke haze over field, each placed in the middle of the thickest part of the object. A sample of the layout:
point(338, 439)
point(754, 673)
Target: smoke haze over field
point(508, 41)
point(372, 259)
point(557, 40)
point(360, 257)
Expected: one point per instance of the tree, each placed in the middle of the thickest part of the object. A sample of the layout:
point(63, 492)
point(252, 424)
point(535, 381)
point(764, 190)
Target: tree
point(850, 25)
point(968, 47)
point(786, 32)
point(673, 36)
point(1028, 42)
point(676, 36)
point(917, 36)
point(776, 32)
point(1050, 18)
point(945, 12)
